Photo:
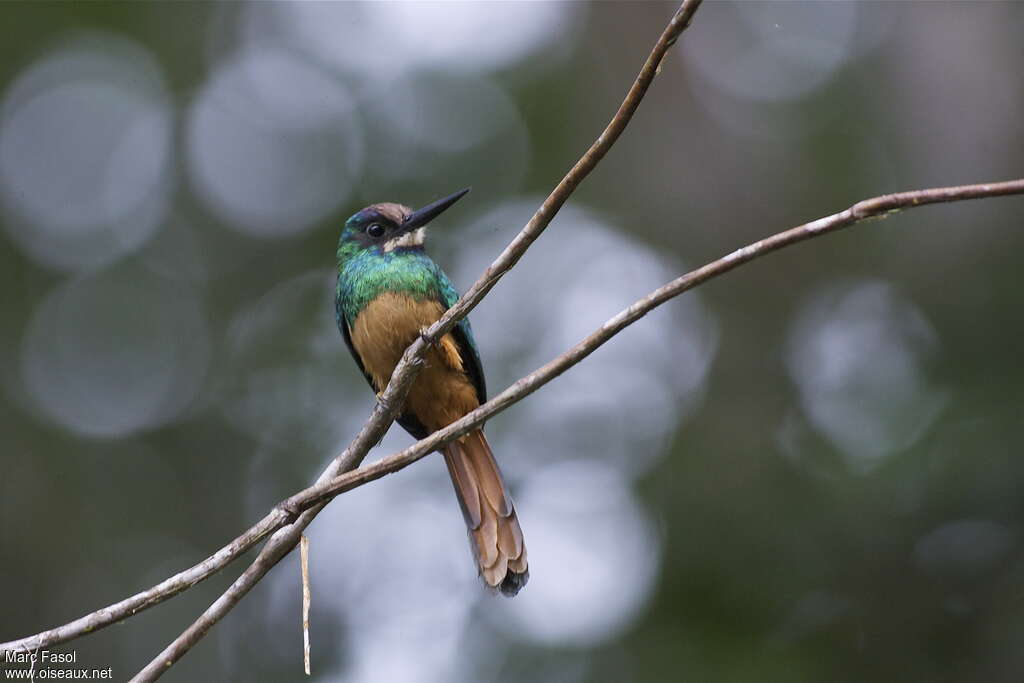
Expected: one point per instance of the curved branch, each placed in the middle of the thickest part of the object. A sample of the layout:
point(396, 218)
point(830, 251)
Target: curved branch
point(164, 590)
point(386, 410)
point(402, 378)
point(876, 207)
point(319, 494)
point(310, 501)
point(313, 499)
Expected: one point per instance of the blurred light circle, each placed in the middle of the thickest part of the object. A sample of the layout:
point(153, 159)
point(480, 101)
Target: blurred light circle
point(772, 51)
point(963, 549)
point(593, 557)
point(273, 143)
point(452, 115)
point(622, 403)
point(939, 70)
point(379, 38)
point(424, 122)
point(85, 147)
point(290, 380)
point(857, 354)
point(178, 252)
point(816, 611)
point(115, 353)
point(393, 563)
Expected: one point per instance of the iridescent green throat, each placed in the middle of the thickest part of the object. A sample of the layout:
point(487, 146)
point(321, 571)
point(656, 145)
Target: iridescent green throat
point(363, 274)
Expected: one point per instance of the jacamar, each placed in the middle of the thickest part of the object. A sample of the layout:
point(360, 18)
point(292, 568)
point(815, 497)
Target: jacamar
point(388, 291)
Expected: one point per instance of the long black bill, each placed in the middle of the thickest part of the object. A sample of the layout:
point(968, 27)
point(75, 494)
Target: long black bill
point(431, 211)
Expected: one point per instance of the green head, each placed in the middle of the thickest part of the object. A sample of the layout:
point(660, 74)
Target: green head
point(385, 227)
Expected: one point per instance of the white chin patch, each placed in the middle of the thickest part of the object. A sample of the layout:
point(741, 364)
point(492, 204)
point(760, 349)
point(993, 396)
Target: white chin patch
point(409, 239)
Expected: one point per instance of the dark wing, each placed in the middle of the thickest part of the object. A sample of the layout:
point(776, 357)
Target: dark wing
point(343, 326)
point(463, 335)
point(407, 420)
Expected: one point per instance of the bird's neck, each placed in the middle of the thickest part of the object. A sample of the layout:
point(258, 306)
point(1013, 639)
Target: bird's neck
point(363, 276)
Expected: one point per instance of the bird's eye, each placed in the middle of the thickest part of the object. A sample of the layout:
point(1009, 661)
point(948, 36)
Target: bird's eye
point(375, 230)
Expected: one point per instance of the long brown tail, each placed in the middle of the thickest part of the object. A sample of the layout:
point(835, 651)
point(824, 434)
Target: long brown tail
point(496, 538)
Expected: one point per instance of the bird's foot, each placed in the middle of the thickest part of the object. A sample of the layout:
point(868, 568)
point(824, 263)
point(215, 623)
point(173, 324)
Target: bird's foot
point(427, 339)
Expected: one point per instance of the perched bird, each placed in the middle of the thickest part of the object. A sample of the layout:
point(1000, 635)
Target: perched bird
point(388, 291)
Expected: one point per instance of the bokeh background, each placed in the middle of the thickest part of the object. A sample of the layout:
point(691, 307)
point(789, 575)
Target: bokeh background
point(807, 470)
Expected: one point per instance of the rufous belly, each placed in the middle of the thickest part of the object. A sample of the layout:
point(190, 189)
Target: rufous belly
point(442, 392)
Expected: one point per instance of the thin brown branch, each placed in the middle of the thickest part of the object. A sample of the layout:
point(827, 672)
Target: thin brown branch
point(394, 395)
point(320, 493)
point(861, 211)
point(164, 590)
point(386, 410)
point(313, 499)
point(286, 510)
point(306, 600)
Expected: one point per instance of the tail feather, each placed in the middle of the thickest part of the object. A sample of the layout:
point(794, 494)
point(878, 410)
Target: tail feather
point(509, 543)
point(465, 483)
point(497, 539)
